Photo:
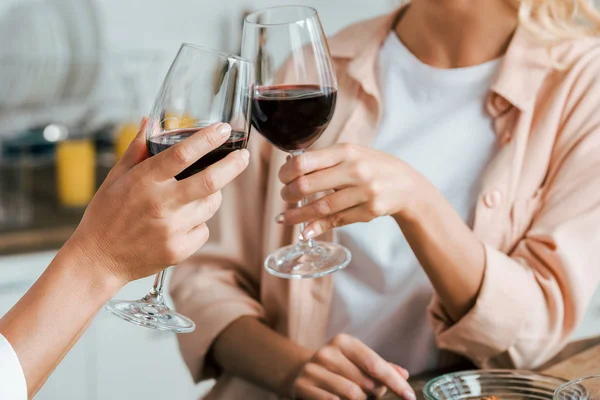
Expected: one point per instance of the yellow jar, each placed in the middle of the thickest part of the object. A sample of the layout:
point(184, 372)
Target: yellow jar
point(75, 172)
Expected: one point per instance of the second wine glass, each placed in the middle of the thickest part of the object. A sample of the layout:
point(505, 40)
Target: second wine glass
point(293, 101)
point(202, 87)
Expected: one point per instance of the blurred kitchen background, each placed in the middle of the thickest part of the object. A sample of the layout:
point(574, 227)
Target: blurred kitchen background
point(76, 76)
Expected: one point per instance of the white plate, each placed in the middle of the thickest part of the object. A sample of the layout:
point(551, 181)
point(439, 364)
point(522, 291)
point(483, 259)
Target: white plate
point(53, 52)
point(36, 84)
point(62, 51)
point(19, 71)
point(80, 21)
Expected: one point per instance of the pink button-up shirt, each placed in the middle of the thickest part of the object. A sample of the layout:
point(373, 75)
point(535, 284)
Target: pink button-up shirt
point(538, 215)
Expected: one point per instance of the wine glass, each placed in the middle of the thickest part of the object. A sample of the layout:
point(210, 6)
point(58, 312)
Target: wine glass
point(202, 87)
point(293, 100)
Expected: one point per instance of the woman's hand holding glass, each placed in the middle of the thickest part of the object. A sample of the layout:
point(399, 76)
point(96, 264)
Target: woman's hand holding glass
point(366, 184)
point(142, 219)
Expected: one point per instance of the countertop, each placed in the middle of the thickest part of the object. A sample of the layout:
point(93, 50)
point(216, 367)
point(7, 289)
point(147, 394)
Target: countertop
point(48, 224)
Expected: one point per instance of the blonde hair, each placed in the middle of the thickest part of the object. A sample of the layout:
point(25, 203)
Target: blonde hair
point(557, 20)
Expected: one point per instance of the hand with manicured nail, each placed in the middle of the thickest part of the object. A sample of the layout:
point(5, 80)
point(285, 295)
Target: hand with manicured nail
point(366, 184)
point(346, 368)
point(142, 219)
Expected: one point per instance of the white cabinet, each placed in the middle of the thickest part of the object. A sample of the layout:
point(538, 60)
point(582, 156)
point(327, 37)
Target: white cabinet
point(114, 359)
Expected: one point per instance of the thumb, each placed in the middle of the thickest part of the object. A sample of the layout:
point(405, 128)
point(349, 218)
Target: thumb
point(135, 154)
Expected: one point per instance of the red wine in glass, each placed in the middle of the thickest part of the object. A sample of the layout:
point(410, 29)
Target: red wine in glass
point(293, 100)
point(292, 117)
point(202, 87)
point(237, 141)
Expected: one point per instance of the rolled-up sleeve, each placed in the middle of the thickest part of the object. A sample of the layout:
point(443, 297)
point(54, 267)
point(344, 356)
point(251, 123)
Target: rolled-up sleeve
point(213, 298)
point(532, 299)
point(220, 283)
point(12, 379)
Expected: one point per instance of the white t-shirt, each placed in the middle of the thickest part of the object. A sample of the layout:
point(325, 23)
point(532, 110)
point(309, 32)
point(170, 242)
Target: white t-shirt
point(12, 379)
point(433, 119)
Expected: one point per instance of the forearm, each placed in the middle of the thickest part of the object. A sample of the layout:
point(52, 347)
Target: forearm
point(449, 252)
point(251, 350)
point(54, 313)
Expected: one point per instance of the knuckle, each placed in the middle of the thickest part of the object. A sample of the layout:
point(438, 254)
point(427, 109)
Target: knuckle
point(322, 207)
point(335, 221)
point(303, 184)
point(240, 162)
point(212, 139)
point(157, 209)
point(214, 202)
point(182, 155)
point(361, 171)
point(301, 383)
point(375, 208)
point(373, 368)
point(173, 251)
point(203, 236)
point(341, 340)
point(311, 369)
point(298, 163)
point(324, 355)
point(142, 174)
point(209, 183)
point(348, 149)
point(351, 391)
point(373, 189)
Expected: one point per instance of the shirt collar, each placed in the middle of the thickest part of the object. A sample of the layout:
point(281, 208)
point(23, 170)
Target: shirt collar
point(525, 66)
point(360, 46)
point(520, 75)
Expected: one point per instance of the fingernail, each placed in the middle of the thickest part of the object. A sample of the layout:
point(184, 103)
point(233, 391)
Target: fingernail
point(223, 129)
point(408, 395)
point(280, 218)
point(245, 154)
point(309, 234)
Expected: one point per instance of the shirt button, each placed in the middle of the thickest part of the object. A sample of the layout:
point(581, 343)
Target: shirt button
point(492, 199)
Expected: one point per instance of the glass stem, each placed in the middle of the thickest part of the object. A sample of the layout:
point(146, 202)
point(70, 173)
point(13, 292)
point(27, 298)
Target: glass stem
point(159, 281)
point(310, 243)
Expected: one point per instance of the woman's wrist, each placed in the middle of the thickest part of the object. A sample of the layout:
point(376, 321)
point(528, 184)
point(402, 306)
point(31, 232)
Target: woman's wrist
point(450, 254)
point(420, 206)
point(89, 269)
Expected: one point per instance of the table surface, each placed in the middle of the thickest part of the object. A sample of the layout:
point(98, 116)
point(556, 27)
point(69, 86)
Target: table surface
point(584, 363)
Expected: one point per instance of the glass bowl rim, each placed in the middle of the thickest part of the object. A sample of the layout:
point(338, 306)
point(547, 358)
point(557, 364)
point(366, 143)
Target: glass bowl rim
point(574, 382)
point(214, 52)
point(475, 372)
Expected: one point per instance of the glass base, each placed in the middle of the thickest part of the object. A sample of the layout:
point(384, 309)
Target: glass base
point(151, 312)
point(301, 261)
